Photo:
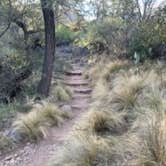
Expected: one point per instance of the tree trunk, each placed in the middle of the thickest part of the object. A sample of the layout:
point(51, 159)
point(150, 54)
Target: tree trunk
point(48, 14)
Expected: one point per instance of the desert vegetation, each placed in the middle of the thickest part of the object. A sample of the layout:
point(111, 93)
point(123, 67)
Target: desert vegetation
point(83, 82)
point(125, 123)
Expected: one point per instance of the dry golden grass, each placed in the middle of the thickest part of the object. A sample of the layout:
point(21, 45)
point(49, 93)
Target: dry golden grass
point(156, 138)
point(126, 124)
point(97, 71)
point(29, 125)
point(83, 151)
point(86, 144)
point(92, 73)
point(34, 124)
point(61, 93)
point(113, 67)
point(101, 121)
point(100, 90)
point(125, 91)
point(150, 148)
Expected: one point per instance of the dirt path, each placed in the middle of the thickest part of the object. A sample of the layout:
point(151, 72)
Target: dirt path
point(39, 154)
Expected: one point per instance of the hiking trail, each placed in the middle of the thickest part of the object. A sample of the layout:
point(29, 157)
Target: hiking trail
point(40, 153)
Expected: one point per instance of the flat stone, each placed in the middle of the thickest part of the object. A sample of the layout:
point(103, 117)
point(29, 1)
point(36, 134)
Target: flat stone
point(66, 108)
point(79, 107)
point(83, 90)
point(76, 83)
point(74, 72)
point(8, 158)
point(82, 96)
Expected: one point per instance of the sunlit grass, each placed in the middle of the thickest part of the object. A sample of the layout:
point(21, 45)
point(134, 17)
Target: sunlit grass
point(35, 123)
point(61, 93)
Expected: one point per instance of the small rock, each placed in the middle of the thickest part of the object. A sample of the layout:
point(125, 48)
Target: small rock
point(66, 108)
point(16, 155)
point(12, 161)
point(8, 158)
point(28, 144)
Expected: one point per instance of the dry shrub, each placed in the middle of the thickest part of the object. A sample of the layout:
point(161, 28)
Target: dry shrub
point(100, 122)
point(125, 91)
point(29, 125)
point(61, 93)
point(100, 90)
point(151, 149)
point(35, 123)
point(156, 137)
point(113, 67)
point(92, 73)
point(103, 69)
point(83, 151)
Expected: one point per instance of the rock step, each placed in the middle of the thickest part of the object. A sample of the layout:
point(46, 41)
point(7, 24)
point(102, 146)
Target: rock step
point(76, 83)
point(77, 68)
point(83, 90)
point(78, 107)
point(80, 101)
point(81, 96)
point(74, 78)
point(74, 72)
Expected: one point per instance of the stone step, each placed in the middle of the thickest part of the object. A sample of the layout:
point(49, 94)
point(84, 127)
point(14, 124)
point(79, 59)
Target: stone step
point(76, 83)
point(80, 101)
point(81, 96)
point(78, 107)
point(74, 78)
point(83, 90)
point(74, 72)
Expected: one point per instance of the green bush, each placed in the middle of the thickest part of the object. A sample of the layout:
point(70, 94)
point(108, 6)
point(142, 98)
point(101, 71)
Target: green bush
point(64, 33)
point(143, 39)
point(106, 35)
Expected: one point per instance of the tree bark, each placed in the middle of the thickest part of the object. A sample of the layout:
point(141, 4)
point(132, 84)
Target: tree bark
point(48, 14)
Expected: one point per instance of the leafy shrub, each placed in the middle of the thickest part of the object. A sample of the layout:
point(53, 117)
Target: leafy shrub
point(106, 35)
point(63, 33)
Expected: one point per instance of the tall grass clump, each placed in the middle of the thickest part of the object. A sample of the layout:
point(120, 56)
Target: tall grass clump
point(34, 124)
point(113, 67)
point(156, 138)
point(126, 90)
point(92, 73)
point(152, 136)
point(105, 121)
point(30, 126)
point(100, 89)
point(83, 151)
point(61, 93)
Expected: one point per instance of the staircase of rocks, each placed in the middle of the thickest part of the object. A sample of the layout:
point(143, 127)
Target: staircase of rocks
point(39, 154)
point(80, 86)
